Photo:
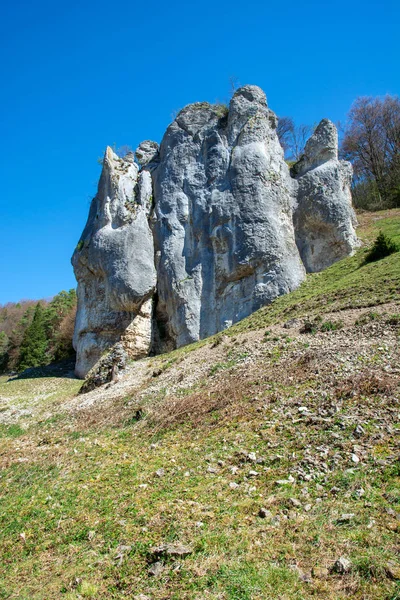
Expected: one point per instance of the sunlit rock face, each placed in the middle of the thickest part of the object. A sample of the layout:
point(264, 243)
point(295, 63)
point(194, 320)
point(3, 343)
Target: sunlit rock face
point(324, 218)
point(223, 217)
point(114, 265)
point(205, 229)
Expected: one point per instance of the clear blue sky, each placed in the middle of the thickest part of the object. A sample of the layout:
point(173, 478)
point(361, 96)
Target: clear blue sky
point(76, 76)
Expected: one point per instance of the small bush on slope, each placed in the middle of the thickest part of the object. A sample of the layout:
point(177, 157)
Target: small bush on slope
point(383, 246)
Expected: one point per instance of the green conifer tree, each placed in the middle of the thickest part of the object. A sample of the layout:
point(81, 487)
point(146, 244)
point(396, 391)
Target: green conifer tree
point(382, 247)
point(34, 343)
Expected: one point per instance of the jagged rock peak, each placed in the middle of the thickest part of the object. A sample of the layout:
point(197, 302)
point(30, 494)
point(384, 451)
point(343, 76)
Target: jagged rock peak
point(251, 93)
point(146, 152)
point(322, 146)
point(114, 265)
point(324, 218)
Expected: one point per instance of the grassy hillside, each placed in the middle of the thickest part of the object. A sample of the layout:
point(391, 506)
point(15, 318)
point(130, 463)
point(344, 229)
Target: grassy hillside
point(267, 451)
point(348, 284)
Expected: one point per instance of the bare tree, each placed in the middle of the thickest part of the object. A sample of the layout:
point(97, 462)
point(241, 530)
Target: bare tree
point(123, 150)
point(234, 84)
point(372, 143)
point(284, 131)
point(300, 135)
point(292, 137)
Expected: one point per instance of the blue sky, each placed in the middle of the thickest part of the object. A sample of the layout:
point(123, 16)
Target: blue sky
point(77, 76)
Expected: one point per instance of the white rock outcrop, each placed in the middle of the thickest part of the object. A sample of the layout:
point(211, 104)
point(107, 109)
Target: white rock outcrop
point(324, 219)
point(207, 229)
point(114, 265)
point(223, 217)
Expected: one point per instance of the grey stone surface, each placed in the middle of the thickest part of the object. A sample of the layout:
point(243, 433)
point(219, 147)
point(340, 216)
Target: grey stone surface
point(342, 566)
point(174, 549)
point(156, 569)
point(324, 218)
point(207, 229)
point(106, 369)
point(322, 146)
point(223, 228)
point(146, 152)
point(114, 264)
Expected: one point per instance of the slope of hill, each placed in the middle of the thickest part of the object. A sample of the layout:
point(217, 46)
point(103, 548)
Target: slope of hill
point(262, 463)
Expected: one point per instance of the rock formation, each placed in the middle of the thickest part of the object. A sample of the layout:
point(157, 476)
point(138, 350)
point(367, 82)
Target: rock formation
point(324, 219)
point(114, 265)
point(207, 229)
point(223, 223)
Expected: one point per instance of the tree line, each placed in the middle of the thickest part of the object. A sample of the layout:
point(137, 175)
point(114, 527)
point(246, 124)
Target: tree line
point(370, 140)
point(34, 334)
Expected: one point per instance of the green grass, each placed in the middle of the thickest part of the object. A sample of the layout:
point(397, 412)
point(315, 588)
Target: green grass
point(12, 431)
point(75, 490)
point(65, 512)
point(350, 283)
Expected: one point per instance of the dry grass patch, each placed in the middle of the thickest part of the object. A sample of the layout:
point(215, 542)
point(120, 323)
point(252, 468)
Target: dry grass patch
point(368, 383)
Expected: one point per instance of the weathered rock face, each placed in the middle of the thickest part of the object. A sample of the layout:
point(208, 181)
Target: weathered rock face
point(223, 227)
point(324, 219)
point(114, 265)
point(202, 235)
point(106, 369)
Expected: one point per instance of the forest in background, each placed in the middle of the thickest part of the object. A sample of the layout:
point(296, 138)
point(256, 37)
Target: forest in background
point(34, 334)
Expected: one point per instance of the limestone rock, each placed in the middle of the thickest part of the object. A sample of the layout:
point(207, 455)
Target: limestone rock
point(324, 219)
point(156, 569)
point(205, 229)
point(223, 228)
point(146, 152)
point(137, 337)
point(319, 149)
point(173, 549)
point(264, 513)
point(114, 265)
point(106, 369)
point(342, 566)
point(393, 570)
